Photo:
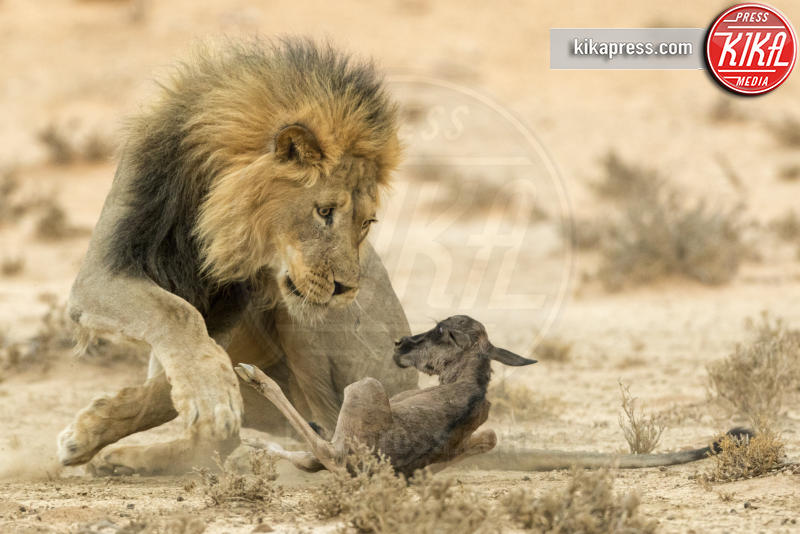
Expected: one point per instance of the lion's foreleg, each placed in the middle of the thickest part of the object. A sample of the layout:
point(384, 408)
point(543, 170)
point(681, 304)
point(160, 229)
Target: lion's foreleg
point(204, 388)
point(111, 418)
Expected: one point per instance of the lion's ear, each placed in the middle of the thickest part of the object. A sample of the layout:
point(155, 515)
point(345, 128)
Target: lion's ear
point(296, 143)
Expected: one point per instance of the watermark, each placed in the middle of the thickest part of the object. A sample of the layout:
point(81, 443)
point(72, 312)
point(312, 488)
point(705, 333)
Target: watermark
point(627, 48)
point(476, 227)
point(751, 49)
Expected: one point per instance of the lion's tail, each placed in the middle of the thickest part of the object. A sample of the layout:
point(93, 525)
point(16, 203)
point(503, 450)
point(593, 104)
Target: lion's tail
point(545, 460)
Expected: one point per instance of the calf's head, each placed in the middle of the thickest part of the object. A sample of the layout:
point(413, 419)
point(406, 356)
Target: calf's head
point(450, 346)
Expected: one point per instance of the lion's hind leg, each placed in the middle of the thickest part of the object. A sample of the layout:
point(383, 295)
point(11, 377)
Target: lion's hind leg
point(110, 418)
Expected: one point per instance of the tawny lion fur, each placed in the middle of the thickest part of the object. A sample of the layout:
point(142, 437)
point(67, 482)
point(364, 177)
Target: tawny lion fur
point(235, 232)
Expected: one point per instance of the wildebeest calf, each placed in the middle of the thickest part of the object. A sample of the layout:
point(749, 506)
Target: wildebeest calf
point(415, 428)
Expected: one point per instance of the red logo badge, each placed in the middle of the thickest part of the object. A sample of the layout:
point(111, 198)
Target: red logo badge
point(751, 49)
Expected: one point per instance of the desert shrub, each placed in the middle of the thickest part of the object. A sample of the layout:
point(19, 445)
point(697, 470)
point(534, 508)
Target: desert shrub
point(53, 224)
point(372, 499)
point(66, 144)
point(787, 132)
point(660, 236)
point(553, 350)
point(759, 375)
point(787, 226)
point(623, 180)
point(584, 234)
point(642, 432)
point(53, 337)
point(520, 403)
point(742, 457)
point(58, 144)
point(227, 485)
point(12, 265)
point(724, 110)
point(789, 173)
point(11, 207)
point(588, 505)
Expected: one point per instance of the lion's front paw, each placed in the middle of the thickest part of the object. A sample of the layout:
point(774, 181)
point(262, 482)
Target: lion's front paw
point(158, 459)
point(77, 444)
point(211, 404)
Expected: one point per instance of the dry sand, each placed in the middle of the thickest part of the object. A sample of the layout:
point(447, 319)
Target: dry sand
point(85, 64)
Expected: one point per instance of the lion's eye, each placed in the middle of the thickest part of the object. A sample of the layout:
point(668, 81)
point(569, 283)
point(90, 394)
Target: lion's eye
point(366, 224)
point(325, 212)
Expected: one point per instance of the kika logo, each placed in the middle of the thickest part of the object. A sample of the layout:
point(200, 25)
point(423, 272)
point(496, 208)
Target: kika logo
point(751, 49)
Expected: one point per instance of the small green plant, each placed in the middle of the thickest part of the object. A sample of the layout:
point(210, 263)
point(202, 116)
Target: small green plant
point(642, 432)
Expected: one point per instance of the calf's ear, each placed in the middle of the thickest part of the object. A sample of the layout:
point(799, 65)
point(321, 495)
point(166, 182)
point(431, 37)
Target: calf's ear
point(508, 358)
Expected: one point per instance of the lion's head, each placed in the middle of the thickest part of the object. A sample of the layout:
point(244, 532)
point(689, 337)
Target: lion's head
point(300, 148)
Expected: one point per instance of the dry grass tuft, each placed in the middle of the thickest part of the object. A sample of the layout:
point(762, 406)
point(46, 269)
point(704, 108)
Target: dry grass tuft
point(519, 403)
point(11, 208)
point(254, 487)
point(641, 432)
point(66, 145)
point(789, 173)
point(585, 234)
point(372, 499)
point(12, 265)
point(724, 110)
point(660, 236)
point(760, 375)
point(53, 223)
point(787, 226)
point(742, 458)
point(553, 350)
point(53, 338)
point(588, 505)
point(622, 180)
point(787, 132)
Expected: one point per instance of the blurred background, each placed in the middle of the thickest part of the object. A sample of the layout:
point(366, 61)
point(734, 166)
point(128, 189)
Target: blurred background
point(616, 224)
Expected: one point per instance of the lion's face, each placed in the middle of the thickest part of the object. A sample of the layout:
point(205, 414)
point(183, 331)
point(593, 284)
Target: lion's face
point(296, 216)
point(317, 235)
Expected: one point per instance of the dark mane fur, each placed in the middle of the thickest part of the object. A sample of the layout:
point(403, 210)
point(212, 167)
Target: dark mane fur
point(167, 173)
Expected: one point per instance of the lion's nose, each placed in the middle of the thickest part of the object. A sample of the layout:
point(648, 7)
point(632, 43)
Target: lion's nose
point(342, 289)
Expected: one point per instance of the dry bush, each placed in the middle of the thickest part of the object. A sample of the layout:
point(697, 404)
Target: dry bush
point(12, 265)
point(257, 486)
point(787, 226)
point(642, 432)
point(742, 457)
point(520, 403)
point(585, 234)
point(11, 208)
point(787, 132)
point(789, 173)
point(478, 194)
point(587, 505)
point(661, 236)
point(66, 145)
point(179, 524)
point(553, 350)
point(53, 224)
point(54, 337)
point(372, 499)
point(724, 110)
point(58, 144)
point(759, 376)
point(98, 147)
point(622, 180)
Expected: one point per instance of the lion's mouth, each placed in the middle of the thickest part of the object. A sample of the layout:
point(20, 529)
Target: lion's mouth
point(293, 288)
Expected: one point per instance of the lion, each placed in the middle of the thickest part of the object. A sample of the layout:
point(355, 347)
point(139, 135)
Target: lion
point(235, 232)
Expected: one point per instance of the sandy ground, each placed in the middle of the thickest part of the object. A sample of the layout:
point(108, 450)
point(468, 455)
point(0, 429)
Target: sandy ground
point(83, 65)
